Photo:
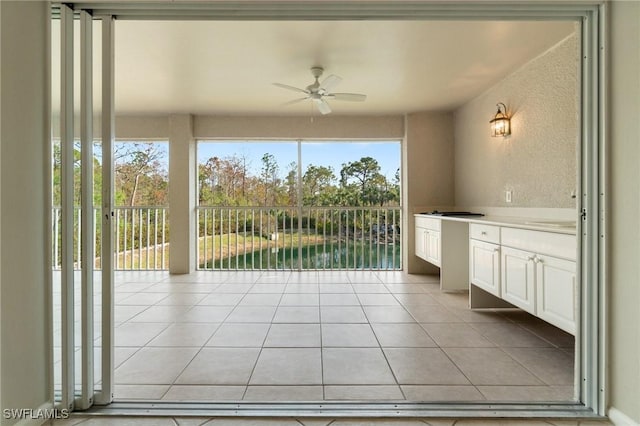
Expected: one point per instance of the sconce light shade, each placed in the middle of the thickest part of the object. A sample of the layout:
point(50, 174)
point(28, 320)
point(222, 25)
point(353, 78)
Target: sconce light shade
point(501, 124)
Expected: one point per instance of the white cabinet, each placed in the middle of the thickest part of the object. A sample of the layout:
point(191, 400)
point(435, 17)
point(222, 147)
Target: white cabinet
point(427, 239)
point(518, 278)
point(421, 242)
point(432, 254)
point(484, 266)
point(557, 292)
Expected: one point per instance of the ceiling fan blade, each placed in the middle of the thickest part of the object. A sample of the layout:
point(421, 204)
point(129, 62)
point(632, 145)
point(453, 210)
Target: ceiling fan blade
point(286, 86)
point(330, 82)
point(322, 106)
point(354, 97)
point(295, 101)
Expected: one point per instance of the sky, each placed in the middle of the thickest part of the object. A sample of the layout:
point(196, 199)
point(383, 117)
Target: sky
point(333, 154)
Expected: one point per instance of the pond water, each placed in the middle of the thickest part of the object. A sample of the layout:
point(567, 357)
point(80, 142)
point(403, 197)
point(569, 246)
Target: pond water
point(321, 256)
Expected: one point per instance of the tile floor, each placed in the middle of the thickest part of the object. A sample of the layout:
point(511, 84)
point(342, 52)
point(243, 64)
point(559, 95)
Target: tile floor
point(289, 336)
point(196, 421)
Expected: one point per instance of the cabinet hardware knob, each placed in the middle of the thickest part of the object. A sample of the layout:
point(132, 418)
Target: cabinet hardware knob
point(483, 233)
point(531, 258)
point(495, 250)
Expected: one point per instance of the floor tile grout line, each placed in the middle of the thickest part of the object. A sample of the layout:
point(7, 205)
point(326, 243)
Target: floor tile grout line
point(385, 356)
point(246, 389)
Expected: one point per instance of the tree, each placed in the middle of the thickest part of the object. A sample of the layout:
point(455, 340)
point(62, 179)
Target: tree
point(316, 184)
point(269, 178)
point(140, 174)
point(365, 175)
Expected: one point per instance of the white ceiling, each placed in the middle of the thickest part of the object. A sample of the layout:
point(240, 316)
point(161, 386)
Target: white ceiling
point(228, 67)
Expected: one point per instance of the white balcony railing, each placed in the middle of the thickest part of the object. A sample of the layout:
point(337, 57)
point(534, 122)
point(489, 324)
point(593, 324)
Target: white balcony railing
point(141, 238)
point(292, 238)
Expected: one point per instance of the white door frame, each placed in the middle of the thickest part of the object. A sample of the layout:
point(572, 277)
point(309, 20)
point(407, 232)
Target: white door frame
point(591, 337)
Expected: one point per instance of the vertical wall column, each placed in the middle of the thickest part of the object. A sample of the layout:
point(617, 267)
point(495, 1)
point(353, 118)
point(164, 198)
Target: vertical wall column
point(182, 194)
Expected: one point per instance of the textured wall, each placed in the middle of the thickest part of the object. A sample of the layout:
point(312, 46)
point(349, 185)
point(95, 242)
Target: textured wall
point(427, 179)
point(624, 199)
point(538, 161)
point(24, 85)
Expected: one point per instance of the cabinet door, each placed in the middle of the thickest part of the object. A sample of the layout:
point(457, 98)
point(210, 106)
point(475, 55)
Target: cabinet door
point(557, 292)
point(518, 278)
point(433, 247)
point(484, 266)
point(421, 243)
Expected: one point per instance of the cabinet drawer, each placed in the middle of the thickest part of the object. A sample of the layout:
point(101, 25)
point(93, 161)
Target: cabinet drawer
point(488, 233)
point(551, 243)
point(428, 223)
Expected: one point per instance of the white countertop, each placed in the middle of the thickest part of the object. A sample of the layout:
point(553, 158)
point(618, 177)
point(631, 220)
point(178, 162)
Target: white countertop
point(547, 225)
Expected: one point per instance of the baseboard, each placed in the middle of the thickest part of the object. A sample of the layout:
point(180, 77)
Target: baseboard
point(38, 416)
point(619, 418)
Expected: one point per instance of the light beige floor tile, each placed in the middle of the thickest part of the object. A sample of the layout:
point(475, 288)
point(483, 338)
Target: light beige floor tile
point(125, 313)
point(185, 299)
point(402, 336)
point(388, 314)
point(297, 314)
point(222, 299)
point(552, 366)
point(293, 335)
point(296, 288)
point(423, 366)
point(432, 313)
point(148, 392)
point(204, 393)
point(441, 393)
point(277, 288)
point(300, 299)
point(240, 421)
point(142, 299)
point(344, 299)
point(363, 278)
point(527, 393)
point(509, 335)
point(185, 335)
point(128, 421)
point(288, 366)
point(453, 300)
point(355, 366)
point(377, 422)
point(137, 333)
point(154, 366)
point(191, 421)
point(368, 299)
point(252, 314)
point(220, 366)
point(363, 393)
point(370, 288)
point(479, 316)
point(408, 299)
point(456, 335)
point(406, 288)
point(552, 334)
point(240, 335)
point(335, 288)
point(71, 421)
point(283, 393)
point(160, 314)
point(206, 314)
point(261, 299)
point(489, 366)
point(342, 314)
point(348, 335)
point(233, 288)
point(121, 354)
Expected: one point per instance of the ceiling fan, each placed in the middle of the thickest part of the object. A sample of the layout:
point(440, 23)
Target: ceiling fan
point(320, 92)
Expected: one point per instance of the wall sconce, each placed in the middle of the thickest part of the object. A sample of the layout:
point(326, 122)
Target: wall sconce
point(501, 124)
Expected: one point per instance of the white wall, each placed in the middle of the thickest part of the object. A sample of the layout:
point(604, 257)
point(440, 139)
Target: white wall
point(24, 86)
point(624, 211)
point(537, 162)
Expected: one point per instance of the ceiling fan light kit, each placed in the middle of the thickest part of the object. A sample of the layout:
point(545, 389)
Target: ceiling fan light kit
point(318, 92)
